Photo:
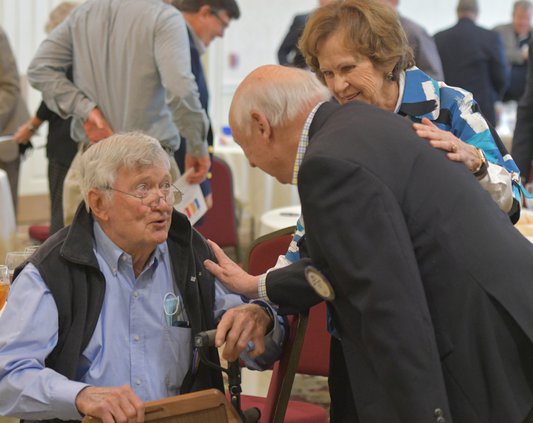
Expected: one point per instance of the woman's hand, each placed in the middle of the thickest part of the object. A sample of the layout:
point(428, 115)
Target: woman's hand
point(458, 151)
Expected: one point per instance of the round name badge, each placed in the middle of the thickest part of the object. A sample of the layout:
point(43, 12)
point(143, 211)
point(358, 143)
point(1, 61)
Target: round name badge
point(319, 283)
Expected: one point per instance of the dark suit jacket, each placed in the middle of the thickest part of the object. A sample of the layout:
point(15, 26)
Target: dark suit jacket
point(473, 58)
point(198, 72)
point(433, 283)
point(523, 134)
point(288, 52)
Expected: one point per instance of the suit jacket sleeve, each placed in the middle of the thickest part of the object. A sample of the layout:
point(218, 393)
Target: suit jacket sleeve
point(358, 236)
point(290, 42)
point(522, 149)
point(499, 68)
point(288, 288)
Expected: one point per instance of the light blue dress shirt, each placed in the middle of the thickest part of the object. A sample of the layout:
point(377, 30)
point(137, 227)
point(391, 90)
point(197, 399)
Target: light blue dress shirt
point(132, 343)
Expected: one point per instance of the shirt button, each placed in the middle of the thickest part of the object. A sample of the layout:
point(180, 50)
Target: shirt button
point(137, 381)
point(137, 338)
point(136, 294)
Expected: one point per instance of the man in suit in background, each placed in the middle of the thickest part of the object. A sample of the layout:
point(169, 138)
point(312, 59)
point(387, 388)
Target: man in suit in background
point(516, 36)
point(523, 134)
point(288, 52)
point(433, 311)
point(13, 113)
point(473, 59)
point(206, 20)
point(423, 45)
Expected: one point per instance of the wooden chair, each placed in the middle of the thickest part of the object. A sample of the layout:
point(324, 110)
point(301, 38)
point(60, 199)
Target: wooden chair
point(220, 223)
point(304, 352)
point(208, 406)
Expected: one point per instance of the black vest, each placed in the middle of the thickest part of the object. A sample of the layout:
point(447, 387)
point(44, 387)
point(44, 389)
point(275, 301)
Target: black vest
point(70, 269)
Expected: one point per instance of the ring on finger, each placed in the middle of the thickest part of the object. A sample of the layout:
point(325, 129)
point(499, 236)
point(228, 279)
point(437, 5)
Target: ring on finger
point(454, 148)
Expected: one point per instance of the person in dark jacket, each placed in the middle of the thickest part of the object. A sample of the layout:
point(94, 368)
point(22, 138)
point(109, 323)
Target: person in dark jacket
point(473, 58)
point(427, 282)
point(206, 20)
point(60, 147)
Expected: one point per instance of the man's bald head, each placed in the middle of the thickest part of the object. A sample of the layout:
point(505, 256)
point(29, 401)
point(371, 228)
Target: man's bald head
point(279, 92)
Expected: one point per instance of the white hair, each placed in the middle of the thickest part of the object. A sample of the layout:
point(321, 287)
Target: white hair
point(279, 99)
point(132, 150)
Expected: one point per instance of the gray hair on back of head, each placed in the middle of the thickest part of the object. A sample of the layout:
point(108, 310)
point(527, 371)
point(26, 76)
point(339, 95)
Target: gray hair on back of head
point(279, 99)
point(132, 150)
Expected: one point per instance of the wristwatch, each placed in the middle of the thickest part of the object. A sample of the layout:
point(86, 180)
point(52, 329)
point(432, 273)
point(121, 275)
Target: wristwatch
point(31, 127)
point(481, 171)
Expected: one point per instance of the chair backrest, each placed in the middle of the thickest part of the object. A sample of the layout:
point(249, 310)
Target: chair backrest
point(220, 223)
point(306, 351)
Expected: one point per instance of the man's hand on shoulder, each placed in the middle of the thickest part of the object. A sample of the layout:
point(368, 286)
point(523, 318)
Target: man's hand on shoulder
point(231, 274)
point(238, 326)
point(111, 404)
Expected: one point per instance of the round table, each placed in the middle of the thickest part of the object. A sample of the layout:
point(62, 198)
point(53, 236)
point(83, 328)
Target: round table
point(279, 218)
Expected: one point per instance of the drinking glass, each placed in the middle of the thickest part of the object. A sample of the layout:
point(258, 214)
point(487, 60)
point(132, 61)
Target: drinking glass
point(30, 249)
point(4, 285)
point(13, 260)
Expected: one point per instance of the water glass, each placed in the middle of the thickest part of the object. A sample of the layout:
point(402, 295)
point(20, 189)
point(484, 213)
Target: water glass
point(4, 284)
point(13, 260)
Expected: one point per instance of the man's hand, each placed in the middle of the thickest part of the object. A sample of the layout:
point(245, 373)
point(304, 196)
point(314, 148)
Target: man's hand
point(200, 166)
point(96, 126)
point(111, 405)
point(248, 322)
point(231, 274)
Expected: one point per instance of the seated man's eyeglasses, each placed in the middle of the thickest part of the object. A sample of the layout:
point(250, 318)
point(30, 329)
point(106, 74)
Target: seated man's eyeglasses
point(152, 196)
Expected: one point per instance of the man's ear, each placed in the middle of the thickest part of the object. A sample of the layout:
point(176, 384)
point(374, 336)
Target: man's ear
point(204, 11)
point(98, 203)
point(261, 125)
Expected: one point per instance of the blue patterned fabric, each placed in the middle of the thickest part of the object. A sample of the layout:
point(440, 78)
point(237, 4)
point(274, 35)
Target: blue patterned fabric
point(455, 110)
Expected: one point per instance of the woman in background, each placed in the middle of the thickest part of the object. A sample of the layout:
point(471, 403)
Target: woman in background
point(60, 148)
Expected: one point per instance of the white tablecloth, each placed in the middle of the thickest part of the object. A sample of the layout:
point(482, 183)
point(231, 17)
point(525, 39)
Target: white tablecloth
point(8, 226)
point(279, 218)
point(255, 191)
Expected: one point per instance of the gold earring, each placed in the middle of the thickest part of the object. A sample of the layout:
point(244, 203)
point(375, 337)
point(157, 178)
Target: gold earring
point(389, 76)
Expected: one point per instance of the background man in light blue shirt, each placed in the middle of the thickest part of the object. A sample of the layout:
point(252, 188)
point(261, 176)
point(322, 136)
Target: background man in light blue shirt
point(102, 317)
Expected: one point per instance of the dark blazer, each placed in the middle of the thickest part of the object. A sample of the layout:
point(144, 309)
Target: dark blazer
point(473, 58)
point(522, 150)
point(199, 76)
point(288, 52)
point(432, 281)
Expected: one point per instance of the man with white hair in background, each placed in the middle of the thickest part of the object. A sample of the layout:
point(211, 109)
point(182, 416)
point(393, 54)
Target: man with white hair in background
point(516, 36)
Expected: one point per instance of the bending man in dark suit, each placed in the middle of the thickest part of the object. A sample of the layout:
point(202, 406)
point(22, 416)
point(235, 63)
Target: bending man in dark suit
point(432, 282)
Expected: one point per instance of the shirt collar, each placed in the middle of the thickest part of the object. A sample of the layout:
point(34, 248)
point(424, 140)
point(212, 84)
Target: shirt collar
point(303, 143)
point(113, 255)
point(420, 95)
point(199, 44)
